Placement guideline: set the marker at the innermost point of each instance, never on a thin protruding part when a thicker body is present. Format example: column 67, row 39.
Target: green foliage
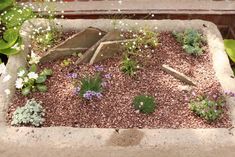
column 210, row 110
column 128, row 66
column 5, row 3
column 10, row 37
column 91, row 84
column 47, row 39
column 15, row 16
column 230, row 48
column 191, row 40
column 145, row 39
column 30, row 114
column 65, row 62
column 30, row 80
column 16, row 48
column 144, row 103
column 11, row 20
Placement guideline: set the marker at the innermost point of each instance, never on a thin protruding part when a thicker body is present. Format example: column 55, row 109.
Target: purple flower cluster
column 107, row 76
column 92, row 94
column 229, row 93
column 99, row 68
column 73, row 75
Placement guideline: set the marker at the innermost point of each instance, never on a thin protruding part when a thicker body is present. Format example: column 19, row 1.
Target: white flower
column 32, row 75
column 34, row 59
column 7, row 91
column 6, row 78
column 26, row 79
column 21, row 73
column 2, row 68
column 19, row 83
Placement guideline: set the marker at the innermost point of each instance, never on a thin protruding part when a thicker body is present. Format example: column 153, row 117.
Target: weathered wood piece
column 110, row 36
column 79, row 42
column 178, row 75
column 107, row 50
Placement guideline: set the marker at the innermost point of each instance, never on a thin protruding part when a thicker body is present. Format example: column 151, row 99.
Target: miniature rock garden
column 152, row 80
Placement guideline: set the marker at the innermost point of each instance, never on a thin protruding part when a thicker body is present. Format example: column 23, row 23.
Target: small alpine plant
column 91, row 87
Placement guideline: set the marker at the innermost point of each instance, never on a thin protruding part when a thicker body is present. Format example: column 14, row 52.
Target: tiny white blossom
column 26, row 79
column 21, row 73
column 6, row 78
column 32, row 75
column 2, row 68
column 34, row 59
column 19, row 83
column 7, row 91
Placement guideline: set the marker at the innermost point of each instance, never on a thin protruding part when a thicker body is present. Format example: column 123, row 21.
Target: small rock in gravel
column 184, row 88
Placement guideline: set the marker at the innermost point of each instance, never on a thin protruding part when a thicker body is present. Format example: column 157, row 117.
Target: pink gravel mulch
column 115, row 109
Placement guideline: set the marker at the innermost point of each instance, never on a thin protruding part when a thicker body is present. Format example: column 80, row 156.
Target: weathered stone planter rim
column 190, row 141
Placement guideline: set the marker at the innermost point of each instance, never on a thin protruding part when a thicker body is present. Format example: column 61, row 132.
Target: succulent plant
column 30, row 114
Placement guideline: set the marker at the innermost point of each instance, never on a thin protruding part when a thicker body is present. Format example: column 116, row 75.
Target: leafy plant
column 30, row 114
column 66, row 62
column 5, row 3
column 147, row 38
column 91, row 87
column 30, row 80
column 144, row 103
column 15, row 16
column 47, row 39
column 230, row 48
column 10, row 22
column 128, row 66
column 210, row 110
column 191, row 40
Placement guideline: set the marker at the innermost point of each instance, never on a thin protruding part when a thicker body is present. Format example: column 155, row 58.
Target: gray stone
column 184, row 88
column 79, row 42
column 177, row 74
column 107, row 49
column 110, row 36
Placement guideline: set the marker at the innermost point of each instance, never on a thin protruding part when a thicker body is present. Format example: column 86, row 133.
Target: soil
column 115, row 109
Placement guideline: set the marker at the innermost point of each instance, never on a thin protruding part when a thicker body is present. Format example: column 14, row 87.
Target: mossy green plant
column 144, row 103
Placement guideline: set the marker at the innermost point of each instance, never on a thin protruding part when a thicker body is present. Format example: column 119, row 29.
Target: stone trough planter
column 85, row 142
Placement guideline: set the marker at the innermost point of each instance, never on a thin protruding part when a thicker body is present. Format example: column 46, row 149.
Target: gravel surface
column 115, row 110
